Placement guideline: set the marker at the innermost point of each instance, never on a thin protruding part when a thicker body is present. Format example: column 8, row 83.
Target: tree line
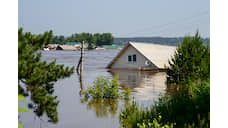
column 171, row 41
column 92, row 39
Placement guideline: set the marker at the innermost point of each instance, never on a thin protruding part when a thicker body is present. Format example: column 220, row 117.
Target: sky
column 122, row 18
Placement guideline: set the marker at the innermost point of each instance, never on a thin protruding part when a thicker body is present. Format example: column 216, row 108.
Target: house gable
column 122, row 61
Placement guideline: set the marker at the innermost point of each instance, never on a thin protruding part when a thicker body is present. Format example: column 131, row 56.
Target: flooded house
column 143, row 56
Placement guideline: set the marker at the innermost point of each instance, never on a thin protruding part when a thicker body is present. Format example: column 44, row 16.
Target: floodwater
column 75, row 111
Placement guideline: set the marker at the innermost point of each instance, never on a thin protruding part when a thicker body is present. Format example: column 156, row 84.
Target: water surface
column 75, row 111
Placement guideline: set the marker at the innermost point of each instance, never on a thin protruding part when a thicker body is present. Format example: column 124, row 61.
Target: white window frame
column 131, row 55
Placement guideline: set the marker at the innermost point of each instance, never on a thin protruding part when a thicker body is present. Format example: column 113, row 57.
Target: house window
column 131, row 58
column 134, row 58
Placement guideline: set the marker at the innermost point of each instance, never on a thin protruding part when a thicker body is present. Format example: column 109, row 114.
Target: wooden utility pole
column 80, row 63
column 82, row 58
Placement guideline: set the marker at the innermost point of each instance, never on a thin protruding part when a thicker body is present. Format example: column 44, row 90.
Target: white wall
column 122, row 62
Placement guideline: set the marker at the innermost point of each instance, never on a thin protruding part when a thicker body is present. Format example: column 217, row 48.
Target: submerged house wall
column 140, row 63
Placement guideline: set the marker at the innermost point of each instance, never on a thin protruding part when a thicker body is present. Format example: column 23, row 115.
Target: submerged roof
column 157, row 54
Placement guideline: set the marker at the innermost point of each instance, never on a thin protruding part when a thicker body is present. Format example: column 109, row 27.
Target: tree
column 107, row 39
column 104, row 38
column 98, row 38
column 36, row 77
column 71, row 38
column 191, row 61
column 55, row 40
column 87, row 37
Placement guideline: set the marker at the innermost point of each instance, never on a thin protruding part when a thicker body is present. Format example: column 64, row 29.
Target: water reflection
column 146, row 84
column 103, row 107
column 173, row 89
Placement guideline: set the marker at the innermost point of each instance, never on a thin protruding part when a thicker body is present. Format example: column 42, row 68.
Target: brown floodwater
column 75, row 111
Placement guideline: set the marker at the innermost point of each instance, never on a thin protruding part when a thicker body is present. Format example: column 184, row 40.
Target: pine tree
column 36, row 77
column 190, row 62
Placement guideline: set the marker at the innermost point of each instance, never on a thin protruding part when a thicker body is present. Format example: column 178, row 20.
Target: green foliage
column 58, row 39
column 19, row 125
column 89, row 38
column 35, row 77
column 184, row 107
column 104, row 88
column 21, row 98
column 128, row 115
column 104, row 38
column 190, row 62
column 189, row 104
column 103, row 96
column 23, row 110
column 154, row 124
column 202, row 123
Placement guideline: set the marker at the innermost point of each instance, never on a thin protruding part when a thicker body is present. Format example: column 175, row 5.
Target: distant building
column 59, row 47
column 143, row 56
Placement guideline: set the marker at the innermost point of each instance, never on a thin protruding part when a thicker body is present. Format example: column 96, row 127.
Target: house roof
column 157, row 54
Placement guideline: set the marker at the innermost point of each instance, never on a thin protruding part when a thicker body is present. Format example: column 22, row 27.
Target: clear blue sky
column 122, row 18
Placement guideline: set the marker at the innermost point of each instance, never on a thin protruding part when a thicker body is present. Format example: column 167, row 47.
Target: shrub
column 104, row 88
column 155, row 124
column 183, row 108
column 103, row 96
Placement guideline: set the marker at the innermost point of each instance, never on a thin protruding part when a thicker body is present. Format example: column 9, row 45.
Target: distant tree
column 36, row 77
column 191, row 61
column 104, row 38
column 98, row 38
column 55, row 40
column 71, row 38
column 107, row 39
column 62, row 39
column 87, row 38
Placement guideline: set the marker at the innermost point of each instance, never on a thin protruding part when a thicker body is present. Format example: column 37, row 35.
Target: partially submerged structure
column 143, row 56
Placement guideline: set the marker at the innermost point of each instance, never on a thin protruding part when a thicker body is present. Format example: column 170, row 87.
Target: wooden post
column 81, row 67
column 82, row 59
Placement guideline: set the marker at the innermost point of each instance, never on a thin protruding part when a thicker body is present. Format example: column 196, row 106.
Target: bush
column 154, row 124
column 103, row 96
column 183, row 108
column 104, row 88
